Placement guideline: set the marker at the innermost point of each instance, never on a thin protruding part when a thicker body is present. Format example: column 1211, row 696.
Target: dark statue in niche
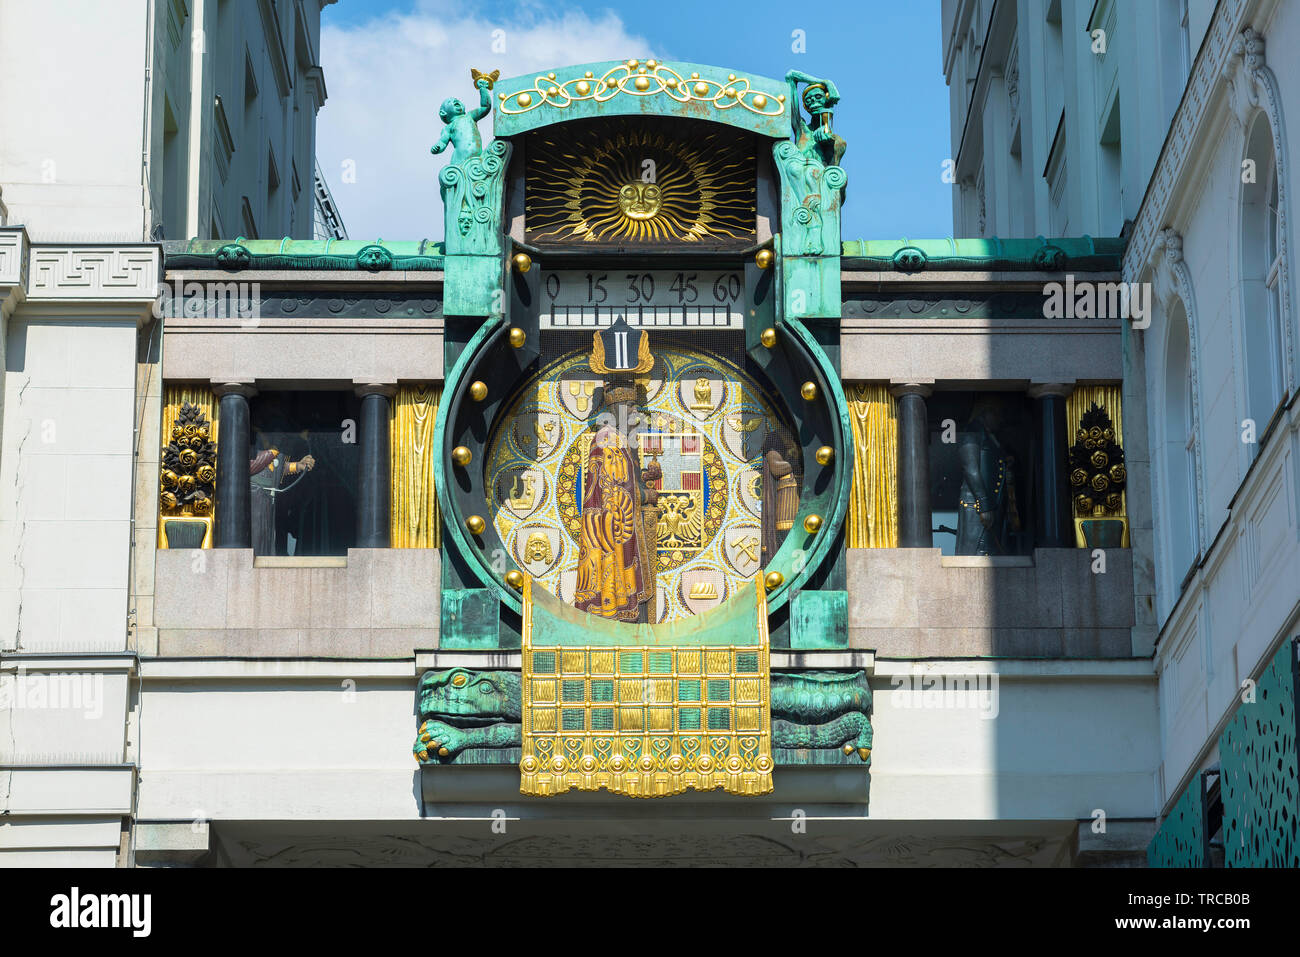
column 987, row 512
column 620, row 514
column 271, row 473
column 780, row 494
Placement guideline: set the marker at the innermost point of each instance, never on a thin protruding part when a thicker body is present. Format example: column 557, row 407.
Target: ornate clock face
column 699, row 418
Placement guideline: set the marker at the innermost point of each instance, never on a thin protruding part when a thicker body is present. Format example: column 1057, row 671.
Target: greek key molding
column 90, row 272
column 13, row 257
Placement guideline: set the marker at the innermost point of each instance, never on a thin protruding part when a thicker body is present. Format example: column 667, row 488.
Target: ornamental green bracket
column 471, row 186
column 811, row 197
column 642, row 88
column 827, row 487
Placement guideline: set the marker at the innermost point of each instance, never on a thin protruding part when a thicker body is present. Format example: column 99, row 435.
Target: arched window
column 1182, row 532
column 1262, row 271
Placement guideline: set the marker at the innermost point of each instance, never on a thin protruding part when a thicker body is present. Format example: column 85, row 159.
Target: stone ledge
column 917, row 603
column 375, row 603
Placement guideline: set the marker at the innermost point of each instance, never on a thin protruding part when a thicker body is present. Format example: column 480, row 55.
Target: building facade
column 1195, row 167
column 202, row 119
column 642, row 519
column 641, row 483
column 204, row 124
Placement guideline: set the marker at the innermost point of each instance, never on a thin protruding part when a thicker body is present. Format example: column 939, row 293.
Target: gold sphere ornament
column 525, row 100
column 701, row 89
column 760, row 102
column 583, row 87
column 774, row 580
column 812, row 524
column 515, row 578
column 475, row 524
column 461, row 456
column 478, row 391
column 768, row 337
column 641, row 83
column 808, row 390
column 763, row 258
column 518, row 337
column 825, row 455
column 523, row 262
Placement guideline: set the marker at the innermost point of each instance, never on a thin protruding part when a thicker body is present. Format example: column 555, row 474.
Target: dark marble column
column 374, row 491
column 915, row 522
column 233, row 523
column 1053, row 527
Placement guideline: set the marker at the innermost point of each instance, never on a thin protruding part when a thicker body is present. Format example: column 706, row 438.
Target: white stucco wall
column 1244, row 598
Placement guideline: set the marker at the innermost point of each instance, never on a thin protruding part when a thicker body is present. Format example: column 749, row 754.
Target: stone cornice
column 94, row 272
column 1218, row 47
column 15, row 250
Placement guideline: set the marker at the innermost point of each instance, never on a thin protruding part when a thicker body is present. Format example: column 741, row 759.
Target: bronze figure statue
column 986, row 509
column 270, row 473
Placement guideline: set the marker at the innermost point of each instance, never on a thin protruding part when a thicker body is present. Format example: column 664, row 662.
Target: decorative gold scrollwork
column 637, row 78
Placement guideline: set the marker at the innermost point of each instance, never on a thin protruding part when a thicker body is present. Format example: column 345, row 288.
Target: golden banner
column 416, row 521
column 873, row 498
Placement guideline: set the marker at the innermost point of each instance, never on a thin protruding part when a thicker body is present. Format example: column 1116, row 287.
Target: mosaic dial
column 703, row 425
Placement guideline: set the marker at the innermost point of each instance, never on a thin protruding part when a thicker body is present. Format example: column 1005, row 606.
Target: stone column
column 374, row 491
column 915, row 522
column 1052, row 524
column 233, row 525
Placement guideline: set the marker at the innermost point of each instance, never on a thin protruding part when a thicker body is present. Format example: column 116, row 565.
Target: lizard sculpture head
column 465, row 698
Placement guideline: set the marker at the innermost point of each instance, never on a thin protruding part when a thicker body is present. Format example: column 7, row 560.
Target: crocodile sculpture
column 461, row 709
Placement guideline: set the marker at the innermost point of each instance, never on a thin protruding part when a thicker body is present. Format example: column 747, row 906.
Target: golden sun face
column 644, row 183
column 639, row 200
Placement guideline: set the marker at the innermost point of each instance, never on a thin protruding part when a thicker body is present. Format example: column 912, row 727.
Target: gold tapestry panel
column 873, row 498
column 415, row 520
column 646, row 720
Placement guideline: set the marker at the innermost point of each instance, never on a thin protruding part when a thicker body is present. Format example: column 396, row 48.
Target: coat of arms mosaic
column 669, row 486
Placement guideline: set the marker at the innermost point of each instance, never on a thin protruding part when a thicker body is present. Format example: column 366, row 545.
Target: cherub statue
column 461, row 129
column 815, row 138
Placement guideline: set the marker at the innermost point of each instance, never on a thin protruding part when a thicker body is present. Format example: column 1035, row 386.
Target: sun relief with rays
column 649, row 183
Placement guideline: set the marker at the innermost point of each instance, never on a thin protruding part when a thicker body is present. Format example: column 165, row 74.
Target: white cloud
column 386, row 78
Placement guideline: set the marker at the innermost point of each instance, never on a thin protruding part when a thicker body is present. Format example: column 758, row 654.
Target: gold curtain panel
column 416, row 521
column 873, row 499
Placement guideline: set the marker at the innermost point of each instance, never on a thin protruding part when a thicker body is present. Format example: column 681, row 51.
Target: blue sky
column 388, row 63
